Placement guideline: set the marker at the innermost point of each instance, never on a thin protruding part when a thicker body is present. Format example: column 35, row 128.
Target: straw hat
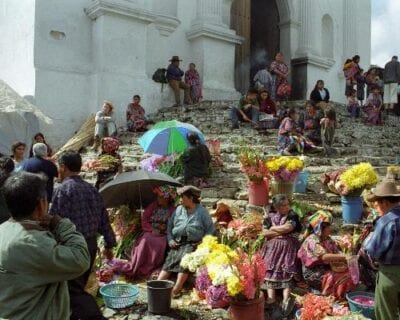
column 384, row 189
column 195, row 191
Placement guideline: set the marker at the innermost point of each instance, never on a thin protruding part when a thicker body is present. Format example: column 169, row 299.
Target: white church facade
column 70, row 55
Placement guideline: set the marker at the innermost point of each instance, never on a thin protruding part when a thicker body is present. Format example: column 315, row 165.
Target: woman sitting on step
column 309, row 123
column 373, row 107
column 321, row 259
column 148, row 251
column 186, row 228
column 196, row 160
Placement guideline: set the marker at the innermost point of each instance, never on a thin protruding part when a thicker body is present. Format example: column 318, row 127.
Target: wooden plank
column 241, row 23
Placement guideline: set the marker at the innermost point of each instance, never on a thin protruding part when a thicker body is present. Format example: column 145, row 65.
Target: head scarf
column 316, row 220
column 109, row 145
column 167, row 192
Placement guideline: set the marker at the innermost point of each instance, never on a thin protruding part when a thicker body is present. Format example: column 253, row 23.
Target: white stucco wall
column 333, row 76
column 72, row 60
column 17, row 20
column 63, row 65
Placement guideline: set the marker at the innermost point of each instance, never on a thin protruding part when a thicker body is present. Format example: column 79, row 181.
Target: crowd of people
column 52, row 234
column 381, row 88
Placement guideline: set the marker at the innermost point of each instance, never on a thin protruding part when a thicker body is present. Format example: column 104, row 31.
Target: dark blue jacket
column 38, row 165
column 174, row 73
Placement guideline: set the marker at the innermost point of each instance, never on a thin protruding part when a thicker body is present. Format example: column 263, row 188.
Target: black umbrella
column 134, row 188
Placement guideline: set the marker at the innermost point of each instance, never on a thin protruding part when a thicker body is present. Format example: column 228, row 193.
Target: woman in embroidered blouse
column 280, row 72
column 281, row 250
column 309, row 123
column 192, row 78
column 317, row 252
column 135, row 118
column 373, row 107
column 148, row 251
column 186, row 228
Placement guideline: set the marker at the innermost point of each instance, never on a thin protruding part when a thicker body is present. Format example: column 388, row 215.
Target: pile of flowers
column 354, row 180
column 285, row 168
column 318, row 307
column 223, row 272
column 252, row 164
column 245, row 229
column 102, row 163
column 126, row 226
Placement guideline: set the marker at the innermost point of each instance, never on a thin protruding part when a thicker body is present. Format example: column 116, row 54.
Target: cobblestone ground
column 354, row 143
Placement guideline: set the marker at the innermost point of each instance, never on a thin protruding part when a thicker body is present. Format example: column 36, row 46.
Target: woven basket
column 119, row 295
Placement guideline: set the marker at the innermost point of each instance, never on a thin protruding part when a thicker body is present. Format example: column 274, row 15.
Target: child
column 373, row 107
column 328, row 127
column 353, row 105
column 360, row 78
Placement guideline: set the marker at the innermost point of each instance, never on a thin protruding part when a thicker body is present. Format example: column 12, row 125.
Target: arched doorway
column 258, row 22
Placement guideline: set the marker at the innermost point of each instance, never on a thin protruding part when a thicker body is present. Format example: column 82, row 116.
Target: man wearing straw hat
column 384, row 246
column 174, row 77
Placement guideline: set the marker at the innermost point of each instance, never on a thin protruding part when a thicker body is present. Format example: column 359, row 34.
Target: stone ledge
column 166, row 25
column 214, row 32
column 325, row 63
column 102, row 7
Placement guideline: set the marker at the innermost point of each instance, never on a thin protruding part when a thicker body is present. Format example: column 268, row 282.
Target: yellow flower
column 233, row 285
column 217, row 258
column 290, row 163
column 209, row 242
column 360, row 176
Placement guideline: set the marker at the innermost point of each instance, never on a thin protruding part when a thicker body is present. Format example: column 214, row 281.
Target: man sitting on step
column 247, row 109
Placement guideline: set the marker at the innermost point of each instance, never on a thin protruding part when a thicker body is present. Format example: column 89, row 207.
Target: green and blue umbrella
column 168, row 137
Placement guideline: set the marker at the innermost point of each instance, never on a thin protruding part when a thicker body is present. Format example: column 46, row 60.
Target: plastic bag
column 354, row 270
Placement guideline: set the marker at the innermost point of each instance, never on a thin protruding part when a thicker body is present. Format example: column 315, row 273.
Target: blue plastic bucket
column 300, row 184
column 352, row 209
column 367, row 311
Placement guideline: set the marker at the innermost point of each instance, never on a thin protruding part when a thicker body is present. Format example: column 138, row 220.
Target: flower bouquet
column 242, row 231
column 285, row 168
column 252, row 164
column 354, row 180
column 223, row 273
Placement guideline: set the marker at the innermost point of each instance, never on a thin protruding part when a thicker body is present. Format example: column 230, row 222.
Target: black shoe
column 287, row 307
column 235, row 126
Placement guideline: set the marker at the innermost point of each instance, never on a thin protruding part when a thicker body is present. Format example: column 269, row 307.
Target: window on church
column 327, row 36
column 57, row 35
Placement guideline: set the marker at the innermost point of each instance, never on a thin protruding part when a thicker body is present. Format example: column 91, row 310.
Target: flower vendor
column 186, row 228
column 110, row 160
column 280, row 252
column 384, row 246
column 148, row 251
column 317, row 252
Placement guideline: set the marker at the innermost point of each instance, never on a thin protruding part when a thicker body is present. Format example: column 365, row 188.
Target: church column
column 349, row 29
column 209, row 11
column 213, row 49
column 307, row 39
